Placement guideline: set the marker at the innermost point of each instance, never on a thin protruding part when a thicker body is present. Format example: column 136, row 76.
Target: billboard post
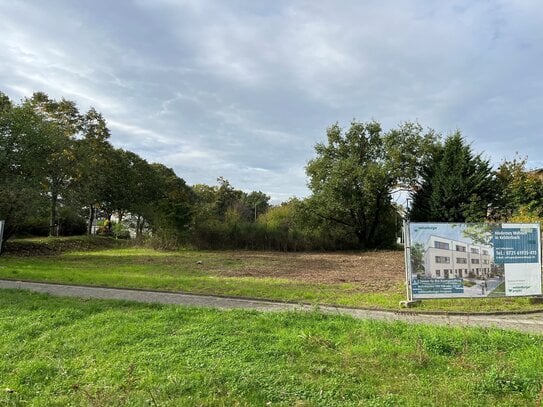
column 407, row 256
column 472, row 260
column 1, row 234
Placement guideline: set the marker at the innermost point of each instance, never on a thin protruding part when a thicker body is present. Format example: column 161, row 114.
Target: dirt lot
column 378, row 271
column 375, row 271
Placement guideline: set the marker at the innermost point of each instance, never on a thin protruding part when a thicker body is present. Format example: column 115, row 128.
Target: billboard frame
column 412, row 299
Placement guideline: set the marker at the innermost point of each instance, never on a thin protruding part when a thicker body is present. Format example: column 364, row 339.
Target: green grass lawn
column 179, row 271
column 134, row 267
column 60, row 351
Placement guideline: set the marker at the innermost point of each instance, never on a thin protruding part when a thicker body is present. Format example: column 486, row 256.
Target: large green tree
column 94, row 159
column 54, row 159
column 457, row 185
column 518, row 190
column 60, row 170
column 170, row 213
column 24, row 137
column 356, row 171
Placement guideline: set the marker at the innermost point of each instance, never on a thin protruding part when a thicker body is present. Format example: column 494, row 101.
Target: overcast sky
column 244, row 89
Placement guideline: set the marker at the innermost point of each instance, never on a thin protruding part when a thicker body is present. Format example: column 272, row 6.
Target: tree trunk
column 53, row 220
column 138, row 230
column 361, row 236
column 91, row 220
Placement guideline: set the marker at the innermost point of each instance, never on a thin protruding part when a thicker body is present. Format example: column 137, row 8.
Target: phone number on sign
column 516, row 252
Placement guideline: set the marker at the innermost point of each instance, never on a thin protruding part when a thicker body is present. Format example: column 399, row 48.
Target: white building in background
column 447, row 258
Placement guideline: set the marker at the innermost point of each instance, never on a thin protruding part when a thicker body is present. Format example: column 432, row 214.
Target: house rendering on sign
column 447, row 258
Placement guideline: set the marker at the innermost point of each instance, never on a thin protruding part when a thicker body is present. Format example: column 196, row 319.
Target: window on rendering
column 460, row 248
column 461, row 260
column 475, row 250
column 443, row 259
column 474, row 261
column 441, row 245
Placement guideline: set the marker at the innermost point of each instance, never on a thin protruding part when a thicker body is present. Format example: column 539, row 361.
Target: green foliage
column 286, row 227
column 456, row 185
column 525, row 215
column 356, row 171
column 225, row 217
column 520, row 196
column 95, row 165
column 64, row 123
column 281, row 230
column 120, row 231
column 23, row 135
column 214, row 202
column 169, row 213
column 51, row 152
column 57, row 168
column 71, row 223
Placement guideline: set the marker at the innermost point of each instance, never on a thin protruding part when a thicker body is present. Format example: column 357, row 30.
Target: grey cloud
column 245, row 89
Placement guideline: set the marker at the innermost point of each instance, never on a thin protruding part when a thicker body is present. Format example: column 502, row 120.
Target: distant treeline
column 60, row 175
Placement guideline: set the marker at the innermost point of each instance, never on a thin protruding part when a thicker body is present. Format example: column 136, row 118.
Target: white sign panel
column 522, row 266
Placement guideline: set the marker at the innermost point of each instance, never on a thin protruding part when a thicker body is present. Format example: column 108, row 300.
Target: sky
column 245, row 89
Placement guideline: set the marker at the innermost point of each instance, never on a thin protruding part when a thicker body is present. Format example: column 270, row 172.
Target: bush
column 120, row 232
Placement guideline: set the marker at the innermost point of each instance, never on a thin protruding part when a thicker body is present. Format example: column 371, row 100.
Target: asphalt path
column 527, row 322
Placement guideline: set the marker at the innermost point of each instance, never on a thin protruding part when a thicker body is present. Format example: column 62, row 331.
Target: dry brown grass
column 375, row 271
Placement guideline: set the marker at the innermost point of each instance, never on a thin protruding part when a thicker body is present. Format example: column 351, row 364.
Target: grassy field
column 369, row 280
column 58, row 351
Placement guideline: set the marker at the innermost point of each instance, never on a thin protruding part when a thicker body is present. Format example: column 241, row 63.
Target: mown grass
column 60, row 351
column 136, row 267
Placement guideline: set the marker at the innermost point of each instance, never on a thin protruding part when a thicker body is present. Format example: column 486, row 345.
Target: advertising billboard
column 448, row 260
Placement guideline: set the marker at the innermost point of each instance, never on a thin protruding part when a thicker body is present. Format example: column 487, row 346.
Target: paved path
column 521, row 322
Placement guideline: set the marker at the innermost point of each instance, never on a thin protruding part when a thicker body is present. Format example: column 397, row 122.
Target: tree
column 255, row 203
column 170, row 214
column 214, row 202
column 518, row 191
column 94, row 156
column 50, row 152
column 227, row 197
column 64, row 124
column 355, row 173
column 23, row 137
column 457, row 186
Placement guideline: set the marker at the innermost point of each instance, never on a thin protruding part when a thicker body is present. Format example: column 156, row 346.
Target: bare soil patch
column 376, row 271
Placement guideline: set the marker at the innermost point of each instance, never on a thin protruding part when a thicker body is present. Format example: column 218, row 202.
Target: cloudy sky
column 244, row 89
